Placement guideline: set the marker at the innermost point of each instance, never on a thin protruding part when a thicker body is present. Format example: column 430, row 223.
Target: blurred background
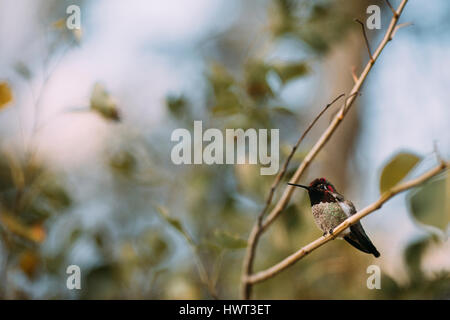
column 85, row 123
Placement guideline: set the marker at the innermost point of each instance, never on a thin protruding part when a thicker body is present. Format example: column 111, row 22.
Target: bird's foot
column 331, row 233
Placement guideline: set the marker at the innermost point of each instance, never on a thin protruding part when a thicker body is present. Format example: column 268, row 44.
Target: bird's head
column 319, row 190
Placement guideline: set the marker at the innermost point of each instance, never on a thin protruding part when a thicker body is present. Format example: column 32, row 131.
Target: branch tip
column 398, row 27
column 438, row 154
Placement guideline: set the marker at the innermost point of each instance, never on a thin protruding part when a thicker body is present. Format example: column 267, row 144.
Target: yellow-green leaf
column 397, row 169
column 5, row 94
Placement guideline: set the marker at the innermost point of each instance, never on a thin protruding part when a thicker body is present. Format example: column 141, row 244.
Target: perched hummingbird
column 330, row 209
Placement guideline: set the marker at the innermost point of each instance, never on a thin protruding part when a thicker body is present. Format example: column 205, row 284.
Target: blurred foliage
column 229, row 241
column 430, row 203
column 252, row 101
column 142, row 228
column 177, row 105
column 31, row 196
column 318, row 24
column 419, row 285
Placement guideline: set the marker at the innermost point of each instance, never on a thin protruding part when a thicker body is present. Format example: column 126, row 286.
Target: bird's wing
column 357, row 234
column 350, row 238
column 351, row 206
column 358, row 237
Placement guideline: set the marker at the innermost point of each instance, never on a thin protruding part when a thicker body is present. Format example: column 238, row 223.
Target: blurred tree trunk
column 337, row 153
column 335, row 161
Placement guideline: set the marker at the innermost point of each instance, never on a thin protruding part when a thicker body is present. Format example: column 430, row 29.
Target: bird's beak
column 299, row 185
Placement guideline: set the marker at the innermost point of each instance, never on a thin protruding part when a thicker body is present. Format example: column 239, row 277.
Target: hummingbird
column 330, row 209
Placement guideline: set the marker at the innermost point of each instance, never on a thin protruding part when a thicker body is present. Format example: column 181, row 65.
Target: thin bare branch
column 392, row 8
column 272, row 271
column 406, row 24
column 326, row 135
column 366, row 40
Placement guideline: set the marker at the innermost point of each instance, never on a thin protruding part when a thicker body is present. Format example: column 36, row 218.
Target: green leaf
column 226, row 100
column 175, row 223
column 397, row 169
column 229, row 241
column 53, row 193
column 219, row 77
column 227, row 103
column 103, row 103
column 172, row 221
column 123, row 162
column 176, row 105
column 430, row 204
column 256, row 80
column 283, row 111
column 57, row 196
